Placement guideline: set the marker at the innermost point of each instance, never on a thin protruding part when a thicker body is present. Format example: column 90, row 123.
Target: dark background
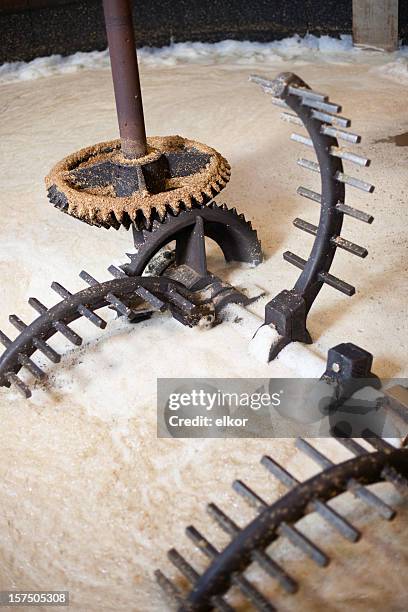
column 32, row 28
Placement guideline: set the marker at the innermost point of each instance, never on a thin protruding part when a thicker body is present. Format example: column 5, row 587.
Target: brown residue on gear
column 97, row 206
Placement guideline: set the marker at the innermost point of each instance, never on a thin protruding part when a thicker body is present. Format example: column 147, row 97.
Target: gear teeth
column 138, row 237
column 139, row 260
column 132, row 256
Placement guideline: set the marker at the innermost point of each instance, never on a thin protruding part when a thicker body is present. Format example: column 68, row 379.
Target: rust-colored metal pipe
column 125, row 75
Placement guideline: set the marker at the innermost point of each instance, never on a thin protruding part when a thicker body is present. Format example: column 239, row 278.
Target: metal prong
column 39, row 344
column 338, row 241
column 5, row 340
column 335, row 133
column 279, row 102
column 354, row 487
column 119, row 305
column 63, row 329
column 252, row 498
column 183, row 566
column 346, row 529
column 329, row 107
column 83, row 310
column 13, row 379
column 302, row 139
column 31, row 366
column 151, row 299
column 88, row 278
column 313, row 453
column 328, row 514
column 169, row 588
column 226, row 524
column 350, row 247
column 305, row 544
column 294, row 259
column 327, row 117
column 263, row 559
column 372, row 500
column 279, row 472
column 110, row 297
column 201, row 542
column 349, row 156
column 116, row 272
column 354, row 212
column 354, row 182
column 253, row 595
column 337, row 283
column 306, row 92
column 309, row 194
column 352, row 446
column 291, row 118
column 309, row 165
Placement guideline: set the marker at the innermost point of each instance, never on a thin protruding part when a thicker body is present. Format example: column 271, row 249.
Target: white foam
column 295, row 47
column 395, row 71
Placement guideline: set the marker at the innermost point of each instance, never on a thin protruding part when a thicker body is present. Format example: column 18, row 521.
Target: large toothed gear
column 234, row 235
column 101, row 187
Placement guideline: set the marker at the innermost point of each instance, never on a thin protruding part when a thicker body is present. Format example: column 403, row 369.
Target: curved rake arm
column 287, row 311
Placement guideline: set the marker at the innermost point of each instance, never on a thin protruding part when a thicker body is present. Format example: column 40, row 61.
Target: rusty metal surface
column 125, row 74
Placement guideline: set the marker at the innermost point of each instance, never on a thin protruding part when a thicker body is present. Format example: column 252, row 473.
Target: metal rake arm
column 287, row 311
column 158, row 293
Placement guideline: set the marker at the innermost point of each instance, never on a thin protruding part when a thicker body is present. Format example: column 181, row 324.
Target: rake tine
column 338, row 241
column 302, row 139
column 354, row 182
column 31, row 367
column 192, row 576
column 110, row 297
column 183, row 566
column 358, row 490
column 327, row 117
column 252, row 498
column 309, row 194
column 169, row 588
column 39, row 344
column 299, row 540
column 279, row 102
column 116, row 272
column 308, row 93
column 354, row 212
column 5, row 340
column 63, row 329
column 309, row 165
column 349, row 156
column 151, row 299
column 83, row 310
column 328, row 107
column 223, row 521
column 291, row 118
column 345, row 528
column 324, row 277
column 336, row 133
column 13, row 379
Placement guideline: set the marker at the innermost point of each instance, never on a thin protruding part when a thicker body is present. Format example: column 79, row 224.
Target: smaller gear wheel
column 189, row 228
